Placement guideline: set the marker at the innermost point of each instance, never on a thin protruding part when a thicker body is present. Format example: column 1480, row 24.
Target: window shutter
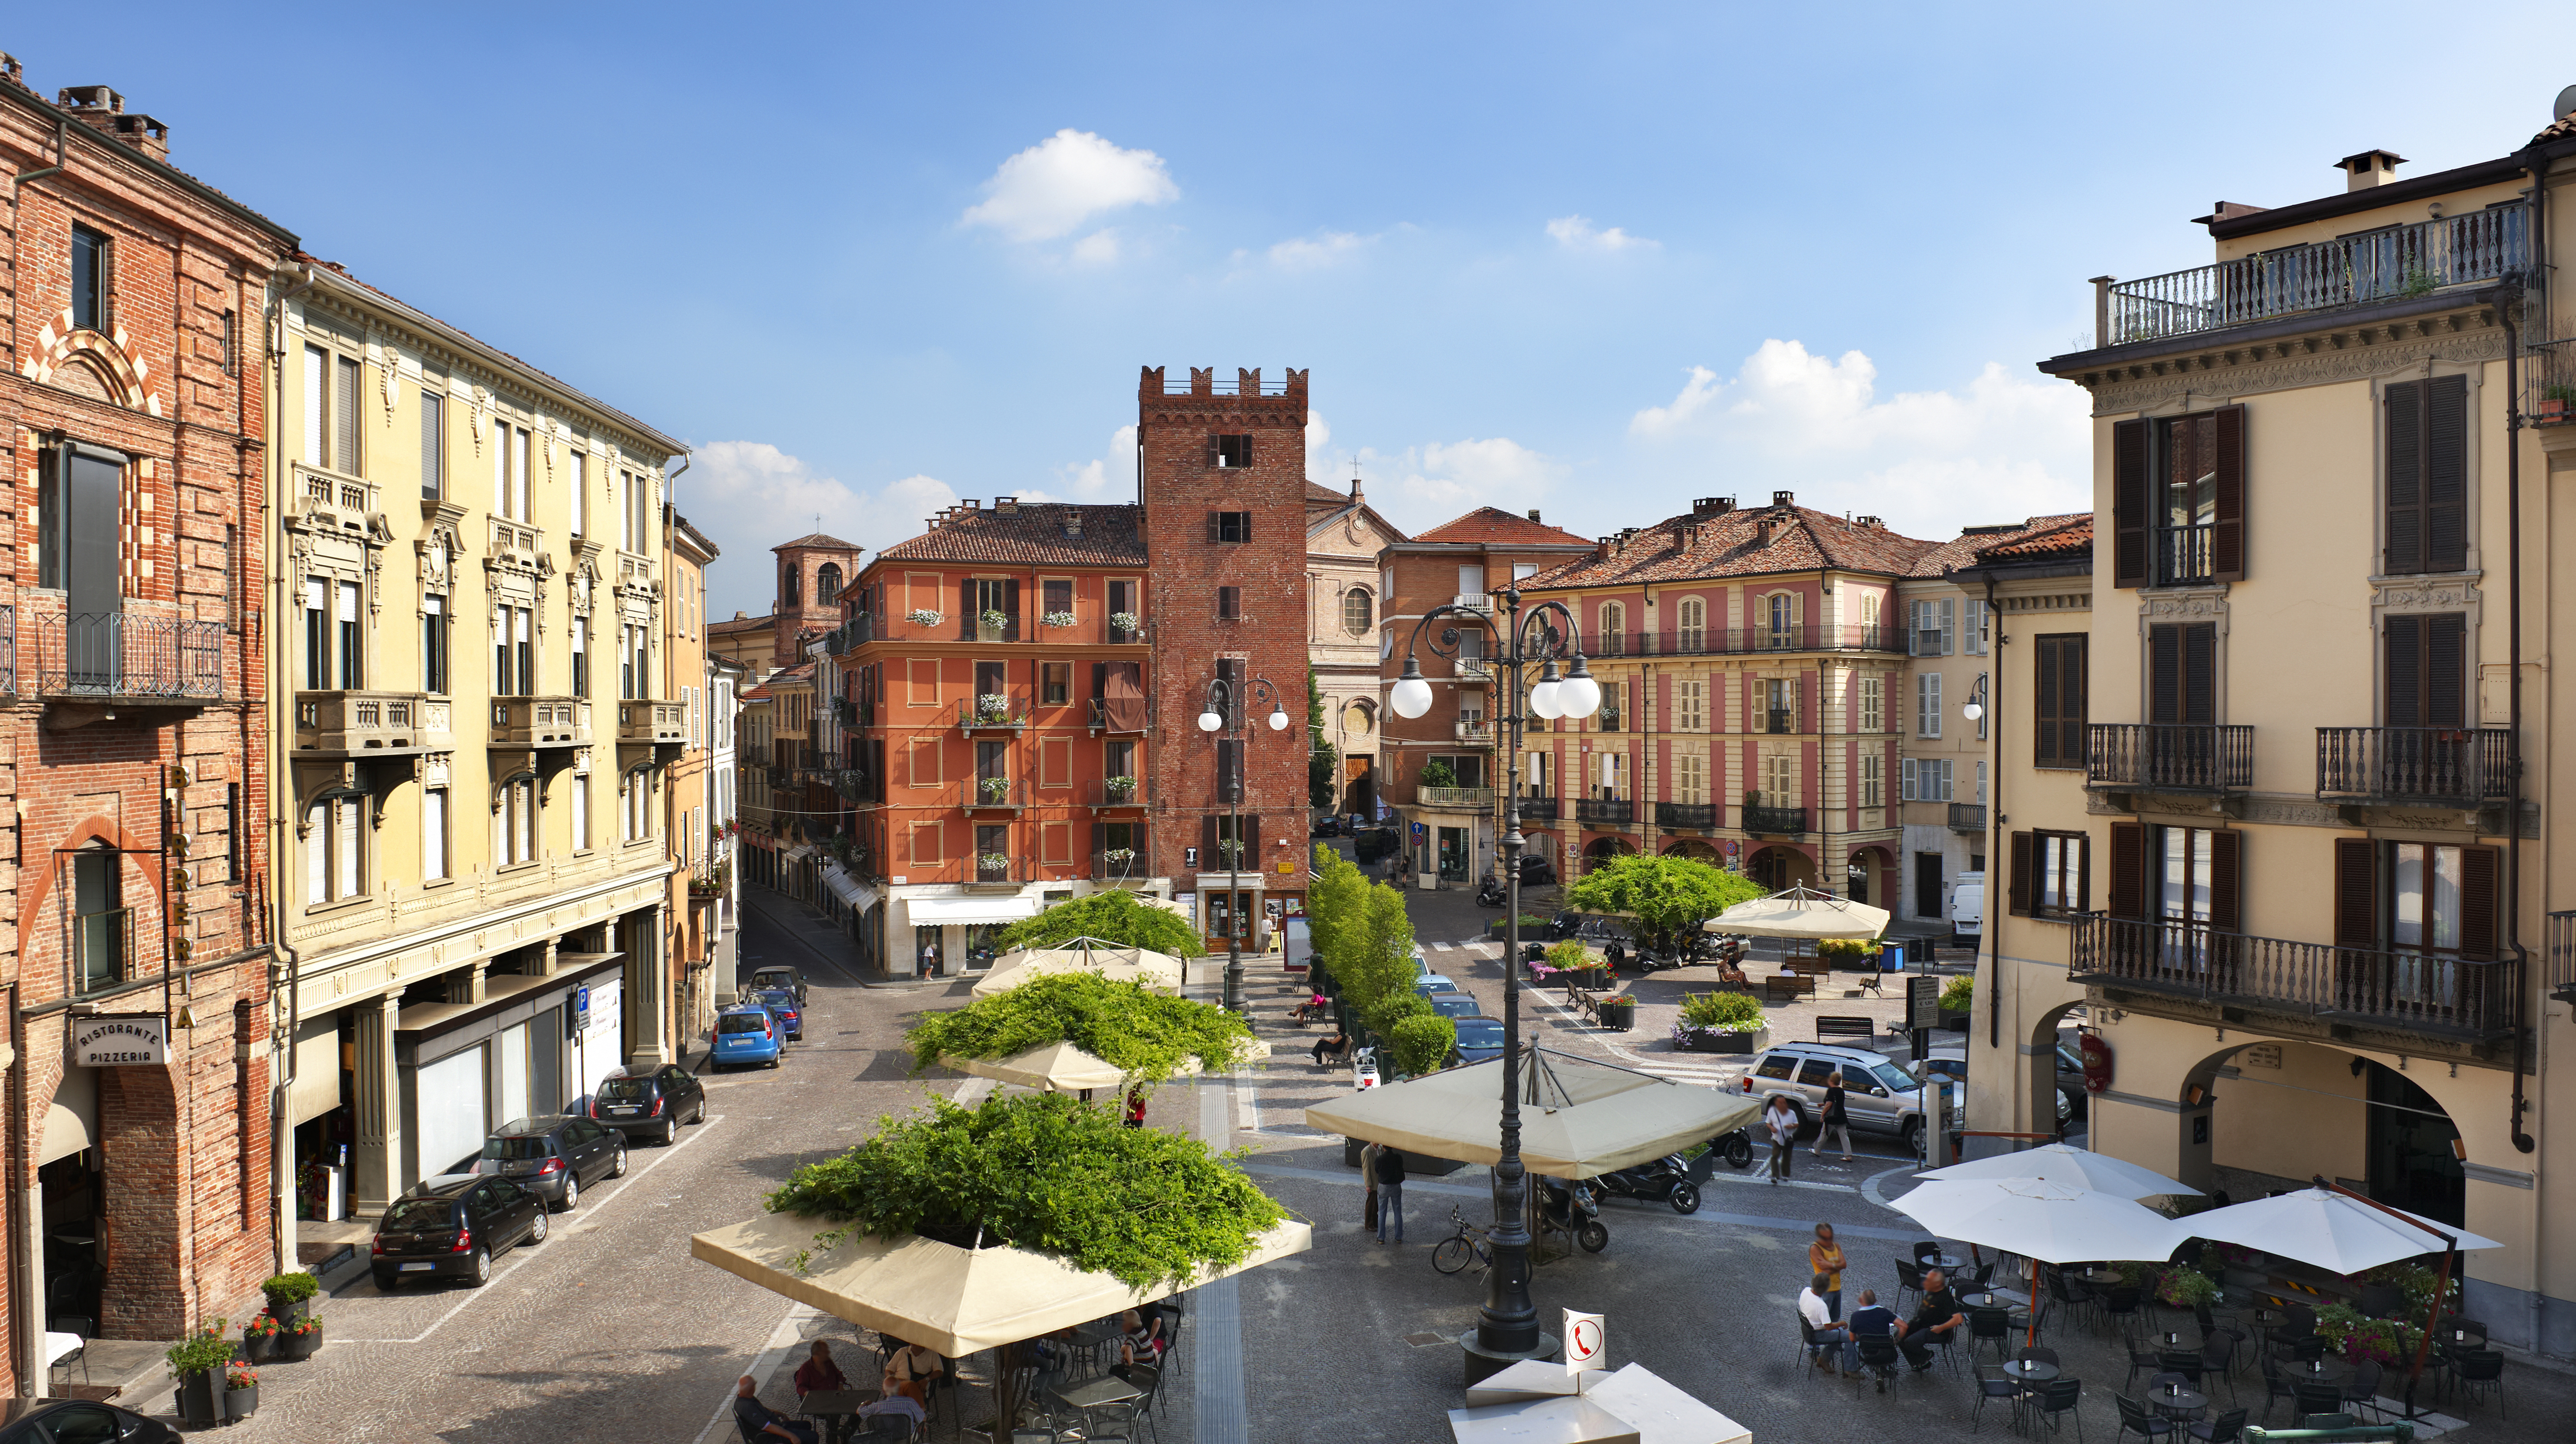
column 2019, row 896
column 344, row 406
column 1099, row 680
column 2446, row 487
column 1906, row 774
column 2164, row 674
column 2227, row 537
column 1913, row 629
column 2404, row 551
column 2084, row 873
column 1011, row 610
column 2227, row 881
column 1207, row 455
column 2074, row 680
column 1949, row 626
column 2046, row 685
column 2128, row 870
column 2478, row 873
column 2445, row 667
column 1207, row 843
column 966, row 610
column 2402, row 652
column 1212, row 516
column 1097, row 845
column 2200, row 673
column 2356, row 883
column 2129, row 503
column 1250, row 837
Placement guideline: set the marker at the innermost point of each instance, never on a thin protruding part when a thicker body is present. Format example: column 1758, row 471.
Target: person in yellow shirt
column 1825, row 1257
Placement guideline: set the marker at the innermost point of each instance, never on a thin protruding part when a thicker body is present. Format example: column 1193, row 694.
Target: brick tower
column 811, row 571
column 1221, row 478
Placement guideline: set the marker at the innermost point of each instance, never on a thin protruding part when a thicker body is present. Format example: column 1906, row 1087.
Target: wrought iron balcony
column 2418, row 992
column 1777, row 821
column 2413, row 766
column 127, row 657
column 1744, row 641
column 2148, row 758
column 1605, row 811
column 1534, row 808
column 540, row 722
column 1114, row 792
column 1686, row 814
column 993, row 794
column 369, row 724
column 2562, row 956
column 998, row 868
column 994, row 712
column 1121, row 864
column 639, row 721
column 1967, row 817
column 1455, row 799
column 2394, row 264
column 1479, row 670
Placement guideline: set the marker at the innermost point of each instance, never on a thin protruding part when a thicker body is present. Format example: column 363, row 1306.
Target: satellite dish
column 2564, row 105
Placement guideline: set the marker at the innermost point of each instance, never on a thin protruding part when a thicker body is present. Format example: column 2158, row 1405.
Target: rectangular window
column 1229, row 526
column 433, row 834
column 1873, row 704
column 580, row 814
column 2427, row 483
column 352, row 670
column 1780, row 781
column 519, row 478
column 345, row 391
column 1229, row 452
column 1975, row 630
column 433, row 445
column 1937, row 773
column 500, row 469
column 1690, row 706
column 345, row 838
column 581, row 656
column 232, row 342
column 2182, row 674
column 2051, row 874
column 1229, row 604
column 2425, row 667
column 2058, row 700
column 92, row 266
column 1927, row 704
column 317, row 635
column 332, row 837
column 317, row 405
column 1055, row 686
column 580, row 494
column 639, row 504
column 1057, row 595
column 1690, row 778
column 1873, row 780
column 1909, row 780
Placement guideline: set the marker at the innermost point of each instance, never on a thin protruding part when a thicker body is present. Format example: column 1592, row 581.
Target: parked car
column 776, row 975
column 1368, row 844
column 1430, row 983
column 1479, row 1038
column 451, row 1226
column 1877, row 1093
column 78, row 1421
column 1454, row 1006
column 649, row 1102
column 553, row 1155
column 1536, row 870
column 1328, row 825
column 783, row 1003
column 1950, row 1060
column 745, row 1033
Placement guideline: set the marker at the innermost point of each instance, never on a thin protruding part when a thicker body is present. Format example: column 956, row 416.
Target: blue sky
column 1592, row 259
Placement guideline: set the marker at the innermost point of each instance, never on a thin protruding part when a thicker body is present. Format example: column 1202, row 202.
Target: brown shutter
column 2018, row 896
column 1212, row 516
column 1207, row 842
column 1011, row 610
column 2164, row 674
column 2129, row 503
column 2356, row 883
column 2084, row 873
column 2227, row 538
column 2044, row 743
column 2402, row 652
column 2404, row 499
column 2446, row 486
column 2227, row 881
column 2074, row 696
column 1207, row 454
column 2200, row 673
column 2479, row 869
column 966, row 610
column 2128, row 870
column 2445, row 670
column 1250, row 837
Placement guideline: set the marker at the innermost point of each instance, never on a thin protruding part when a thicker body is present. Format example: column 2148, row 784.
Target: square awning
column 941, row 911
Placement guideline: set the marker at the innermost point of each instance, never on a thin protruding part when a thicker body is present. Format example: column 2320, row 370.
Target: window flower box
column 993, row 707
column 1057, row 619
column 995, row 622
column 924, row 617
column 1125, row 623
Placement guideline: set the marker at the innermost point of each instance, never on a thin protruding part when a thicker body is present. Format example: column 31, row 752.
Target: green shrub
column 203, row 1352
column 1115, row 916
column 1436, row 773
column 1847, row 948
column 294, row 1288
column 1959, row 994
column 1422, row 1042
column 1143, row 1033
column 1725, row 1012
column 1569, row 955
column 1387, row 1014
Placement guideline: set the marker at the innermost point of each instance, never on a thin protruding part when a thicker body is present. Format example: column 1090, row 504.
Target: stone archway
column 1697, row 849
column 1779, row 867
column 1869, row 876
column 1602, row 849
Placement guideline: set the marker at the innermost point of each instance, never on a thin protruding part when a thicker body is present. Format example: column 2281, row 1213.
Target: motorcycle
column 1736, row 1148
column 1665, row 1180
column 1489, row 893
column 1575, row 1211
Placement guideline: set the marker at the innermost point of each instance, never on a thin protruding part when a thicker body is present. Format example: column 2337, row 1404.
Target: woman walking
column 1825, row 1261
column 1837, row 1120
column 1783, row 1123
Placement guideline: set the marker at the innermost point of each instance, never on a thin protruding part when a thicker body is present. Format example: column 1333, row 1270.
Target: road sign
column 1731, row 849
column 1922, row 1001
column 581, row 1010
column 1585, row 1348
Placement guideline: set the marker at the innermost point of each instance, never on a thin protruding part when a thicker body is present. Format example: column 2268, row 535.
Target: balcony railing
column 1009, row 869
column 1114, row 792
column 1128, row 864
column 344, row 501
column 1742, row 641
column 1538, row 809
column 517, row 543
column 855, row 785
column 1456, row 799
column 2173, row 759
column 1779, row 720
column 128, row 656
column 1967, row 817
column 1473, row 669
column 1783, row 821
column 994, row 712
column 993, row 794
column 652, row 722
column 1474, row 601
column 2562, row 956
column 540, row 722
column 2183, row 553
column 363, row 723
column 1605, row 811
column 2425, row 992
column 1686, row 814
column 2423, row 766
column 1479, row 733
column 2386, row 265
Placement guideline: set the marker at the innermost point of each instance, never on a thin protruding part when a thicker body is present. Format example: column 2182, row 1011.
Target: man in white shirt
column 1811, row 1307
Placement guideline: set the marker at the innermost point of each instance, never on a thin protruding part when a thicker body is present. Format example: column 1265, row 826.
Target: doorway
column 2409, row 1147
column 1927, row 886
column 1453, row 854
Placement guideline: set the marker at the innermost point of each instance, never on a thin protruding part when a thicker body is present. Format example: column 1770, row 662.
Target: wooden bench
column 1589, row 1004
column 1787, row 987
column 1833, row 1025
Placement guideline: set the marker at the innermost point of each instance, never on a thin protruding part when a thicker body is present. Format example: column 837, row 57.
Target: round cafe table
column 2034, row 1372
column 2100, row 1277
column 2178, row 1403
column 2323, row 1371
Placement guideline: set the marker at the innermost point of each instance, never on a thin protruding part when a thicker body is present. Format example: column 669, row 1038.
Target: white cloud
column 1112, row 478
column 749, row 496
column 1997, row 449
column 1422, row 486
column 1051, row 188
column 1577, row 233
column 1097, row 249
column 1301, row 254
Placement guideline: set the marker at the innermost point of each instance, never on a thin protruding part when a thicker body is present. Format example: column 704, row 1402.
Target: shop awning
column 799, row 852
column 848, row 889
column 941, row 911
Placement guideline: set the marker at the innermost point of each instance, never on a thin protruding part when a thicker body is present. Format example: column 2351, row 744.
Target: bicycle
column 1468, row 1244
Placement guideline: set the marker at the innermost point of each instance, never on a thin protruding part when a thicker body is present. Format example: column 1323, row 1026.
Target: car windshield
column 774, row 980
column 1479, row 1033
column 1436, row 985
column 626, row 1090
column 512, row 1149
column 778, row 999
column 742, row 1023
column 414, row 1213
column 1896, row 1079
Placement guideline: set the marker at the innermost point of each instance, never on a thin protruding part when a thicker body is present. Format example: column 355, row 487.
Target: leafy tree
column 1141, row 1032
column 1336, row 904
column 1323, row 763
column 1381, row 966
column 1043, row 1172
column 1667, row 897
column 1116, row 916
column 1438, row 773
column 1422, row 1042
column 1386, row 1014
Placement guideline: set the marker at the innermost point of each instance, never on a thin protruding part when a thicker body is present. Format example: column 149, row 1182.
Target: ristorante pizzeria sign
column 129, row 1038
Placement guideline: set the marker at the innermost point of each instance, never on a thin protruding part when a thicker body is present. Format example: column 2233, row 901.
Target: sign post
column 1922, row 1015
column 1586, row 1347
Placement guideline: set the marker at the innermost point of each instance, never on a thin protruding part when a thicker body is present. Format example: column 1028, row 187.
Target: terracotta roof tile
column 1032, row 535
column 1493, row 526
column 742, row 624
column 819, row 539
column 1729, row 544
column 1964, row 549
column 2559, row 129
column 2070, row 537
column 1319, row 493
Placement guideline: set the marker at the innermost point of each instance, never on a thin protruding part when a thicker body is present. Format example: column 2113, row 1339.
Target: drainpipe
column 2522, row 1141
column 62, row 138
column 1996, row 847
column 29, row 1303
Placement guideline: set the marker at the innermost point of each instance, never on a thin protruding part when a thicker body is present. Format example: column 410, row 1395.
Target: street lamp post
column 1507, row 1326
column 1225, row 711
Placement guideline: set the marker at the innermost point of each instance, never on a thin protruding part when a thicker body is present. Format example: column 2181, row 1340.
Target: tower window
column 90, row 267
column 1228, row 452
column 1229, row 526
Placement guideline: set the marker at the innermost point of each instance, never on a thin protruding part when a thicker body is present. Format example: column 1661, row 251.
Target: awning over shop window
column 848, row 889
column 940, row 911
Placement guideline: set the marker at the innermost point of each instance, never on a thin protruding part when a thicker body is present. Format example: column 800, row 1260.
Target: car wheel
column 670, row 1131
column 1592, row 1236
column 540, row 1226
column 482, row 1268
column 1912, row 1133
column 1685, row 1198
column 571, row 1197
column 773, row 1062
column 387, row 1283
column 699, row 1113
column 617, row 1164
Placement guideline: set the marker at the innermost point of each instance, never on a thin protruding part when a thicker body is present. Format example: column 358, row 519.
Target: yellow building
column 2281, row 807
column 691, row 819
column 470, row 598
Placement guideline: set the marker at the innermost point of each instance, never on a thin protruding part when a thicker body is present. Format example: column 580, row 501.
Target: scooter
column 1575, row 1211
column 1489, row 893
column 1736, row 1148
column 1666, row 1180
column 1364, row 1070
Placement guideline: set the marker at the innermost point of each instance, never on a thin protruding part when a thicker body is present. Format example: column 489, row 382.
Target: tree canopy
column 1364, row 938
column 1117, row 916
column 1142, row 1033
column 1043, row 1172
column 1667, row 897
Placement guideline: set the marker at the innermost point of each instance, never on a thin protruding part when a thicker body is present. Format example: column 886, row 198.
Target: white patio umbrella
column 1801, row 912
column 2043, row 1221
column 2074, row 1167
column 1114, row 961
column 2331, row 1230
column 1579, row 1118
column 1067, row 1068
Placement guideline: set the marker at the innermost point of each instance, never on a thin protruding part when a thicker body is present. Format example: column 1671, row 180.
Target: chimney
column 1006, row 506
column 1707, row 506
column 1073, row 521
column 1872, row 521
column 2370, row 168
column 1533, row 513
column 1355, row 488
column 103, row 110
column 1784, row 499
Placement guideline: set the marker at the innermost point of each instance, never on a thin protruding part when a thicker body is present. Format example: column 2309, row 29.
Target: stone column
column 379, row 1153
column 546, row 963
column 648, row 990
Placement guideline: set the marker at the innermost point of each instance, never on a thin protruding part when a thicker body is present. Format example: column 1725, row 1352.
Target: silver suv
column 1877, row 1092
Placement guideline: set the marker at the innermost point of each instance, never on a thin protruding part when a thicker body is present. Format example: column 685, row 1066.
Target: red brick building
column 141, row 1199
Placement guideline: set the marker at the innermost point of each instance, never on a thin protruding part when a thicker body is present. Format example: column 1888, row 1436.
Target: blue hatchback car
column 746, row 1033
column 783, row 1003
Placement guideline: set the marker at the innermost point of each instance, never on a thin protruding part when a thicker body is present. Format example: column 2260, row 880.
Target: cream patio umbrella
column 2074, row 1167
column 1801, row 912
column 1579, row 1118
column 1067, row 1068
column 1114, row 961
column 2043, row 1220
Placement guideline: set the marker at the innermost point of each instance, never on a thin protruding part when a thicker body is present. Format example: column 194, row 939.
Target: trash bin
column 1619, row 1015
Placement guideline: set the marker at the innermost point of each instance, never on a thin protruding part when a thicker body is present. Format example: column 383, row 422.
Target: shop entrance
column 2412, row 1165
column 1453, row 854
column 70, row 1189
column 1927, row 886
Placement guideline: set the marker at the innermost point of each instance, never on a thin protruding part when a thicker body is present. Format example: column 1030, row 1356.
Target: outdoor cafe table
column 2100, row 1276
column 1946, row 1262
column 836, row 1408
column 1988, row 1298
column 2178, row 1403
column 2321, row 1371
column 1098, row 1393
column 2035, row 1371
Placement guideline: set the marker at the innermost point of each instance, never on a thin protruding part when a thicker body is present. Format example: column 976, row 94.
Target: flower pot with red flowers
column 302, row 1339
column 259, row 1339
column 197, row 1362
column 241, row 1393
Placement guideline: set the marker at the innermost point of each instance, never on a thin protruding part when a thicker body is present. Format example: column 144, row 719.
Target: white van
column 1968, row 908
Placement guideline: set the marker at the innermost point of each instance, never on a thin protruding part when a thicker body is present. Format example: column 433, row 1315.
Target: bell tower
column 811, row 572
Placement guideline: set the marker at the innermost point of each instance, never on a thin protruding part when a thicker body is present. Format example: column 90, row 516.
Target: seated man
column 1873, row 1320
column 759, row 1423
column 1820, row 1321
column 1937, row 1315
column 1333, row 1048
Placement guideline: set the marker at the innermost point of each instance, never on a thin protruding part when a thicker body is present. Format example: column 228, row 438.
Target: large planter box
column 1415, row 1164
column 1709, row 1040
column 1954, row 1022
column 1619, row 1015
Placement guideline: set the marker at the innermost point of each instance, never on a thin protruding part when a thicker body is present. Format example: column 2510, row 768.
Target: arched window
column 1614, row 630
column 787, row 580
column 827, row 584
column 1357, row 720
column 1356, row 611
column 1693, row 625
column 1784, row 617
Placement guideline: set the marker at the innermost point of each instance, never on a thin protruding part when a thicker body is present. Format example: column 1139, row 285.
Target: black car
column 649, row 1102
column 1536, row 870
column 78, row 1421
column 554, row 1155
column 450, row 1226
column 1329, row 825
column 776, row 975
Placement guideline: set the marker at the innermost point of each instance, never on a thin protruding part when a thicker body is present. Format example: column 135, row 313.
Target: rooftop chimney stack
column 2369, row 168
column 1533, row 513
column 103, row 110
column 1784, row 500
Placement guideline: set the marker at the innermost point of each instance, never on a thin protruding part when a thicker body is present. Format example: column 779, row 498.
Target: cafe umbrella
column 1801, row 912
column 1066, row 1068
column 1114, row 961
column 2075, row 1167
column 2043, row 1220
column 1579, row 1118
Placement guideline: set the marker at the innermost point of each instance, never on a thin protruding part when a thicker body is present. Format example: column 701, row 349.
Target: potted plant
column 924, row 617
column 241, row 1393
column 194, row 1362
column 259, row 1339
column 1721, row 1023
column 1119, row 788
column 2184, row 1288
column 290, row 1296
column 994, row 788
column 302, row 1339
column 1057, row 619
column 993, row 862
column 1958, row 997
column 993, row 621
column 992, row 707
column 2554, row 405
column 1126, row 623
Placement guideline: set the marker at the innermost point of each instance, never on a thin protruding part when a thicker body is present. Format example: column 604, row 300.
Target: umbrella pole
column 2441, row 1288
column 2031, row 1339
